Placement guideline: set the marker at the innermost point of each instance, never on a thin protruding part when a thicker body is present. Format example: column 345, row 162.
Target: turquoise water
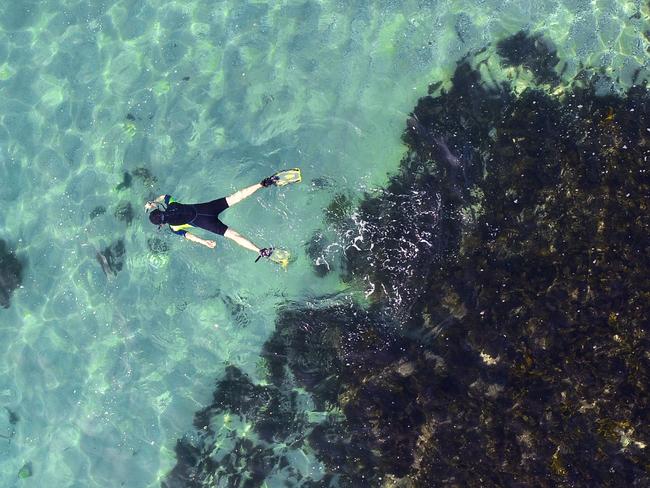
column 105, row 373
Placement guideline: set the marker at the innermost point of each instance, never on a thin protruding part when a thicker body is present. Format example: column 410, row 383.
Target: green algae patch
column 387, row 37
column 26, row 471
column 161, row 87
column 6, row 72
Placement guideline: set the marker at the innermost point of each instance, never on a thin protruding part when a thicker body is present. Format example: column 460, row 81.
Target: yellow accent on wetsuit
column 177, row 228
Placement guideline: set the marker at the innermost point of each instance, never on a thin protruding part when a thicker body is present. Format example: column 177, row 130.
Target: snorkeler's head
column 157, row 217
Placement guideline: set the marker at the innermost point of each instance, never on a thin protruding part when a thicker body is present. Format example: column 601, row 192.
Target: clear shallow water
column 105, row 375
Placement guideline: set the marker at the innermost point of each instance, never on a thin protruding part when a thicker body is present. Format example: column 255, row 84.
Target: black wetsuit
column 182, row 216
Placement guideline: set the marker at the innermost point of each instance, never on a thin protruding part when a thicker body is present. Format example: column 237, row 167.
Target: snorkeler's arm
column 198, row 240
column 240, row 195
column 149, row 206
column 235, row 236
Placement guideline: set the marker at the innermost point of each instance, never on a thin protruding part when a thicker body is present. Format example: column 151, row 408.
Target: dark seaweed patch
column 532, row 52
column 145, row 176
column 9, row 431
column 157, row 245
column 126, row 182
column 124, row 212
column 315, row 249
column 97, row 211
column 11, row 274
column 111, row 258
column 244, row 457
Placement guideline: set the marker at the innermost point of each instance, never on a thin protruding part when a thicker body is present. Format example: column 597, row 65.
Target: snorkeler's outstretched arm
column 235, row 236
column 207, row 243
column 240, row 195
column 149, row 206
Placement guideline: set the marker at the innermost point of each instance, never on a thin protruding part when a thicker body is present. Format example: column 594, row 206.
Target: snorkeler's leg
column 240, row 195
column 235, row 236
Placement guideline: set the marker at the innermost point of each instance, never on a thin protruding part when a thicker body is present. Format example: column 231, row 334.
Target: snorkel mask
column 157, row 217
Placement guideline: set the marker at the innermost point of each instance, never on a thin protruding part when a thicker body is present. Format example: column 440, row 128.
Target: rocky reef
column 505, row 341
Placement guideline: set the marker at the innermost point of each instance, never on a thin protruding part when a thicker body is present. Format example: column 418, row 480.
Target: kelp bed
column 505, row 343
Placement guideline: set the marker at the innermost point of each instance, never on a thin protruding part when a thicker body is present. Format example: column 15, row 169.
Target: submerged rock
column 11, row 272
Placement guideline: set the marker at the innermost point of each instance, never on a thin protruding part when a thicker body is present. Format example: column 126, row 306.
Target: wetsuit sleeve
column 180, row 229
column 180, row 232
column 169, row 199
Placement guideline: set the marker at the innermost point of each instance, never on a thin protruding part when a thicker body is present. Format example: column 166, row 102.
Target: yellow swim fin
column 281, row 257
column 287, row 176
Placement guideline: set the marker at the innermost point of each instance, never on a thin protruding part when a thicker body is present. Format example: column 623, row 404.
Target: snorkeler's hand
column 149, row 206
column 271, row 180
column 265, row 252
column 191, row 237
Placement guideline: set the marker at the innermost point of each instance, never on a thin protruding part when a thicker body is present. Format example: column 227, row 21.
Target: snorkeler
column 180, row 216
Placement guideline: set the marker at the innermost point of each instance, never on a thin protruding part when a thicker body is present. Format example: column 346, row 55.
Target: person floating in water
column 183, row 216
